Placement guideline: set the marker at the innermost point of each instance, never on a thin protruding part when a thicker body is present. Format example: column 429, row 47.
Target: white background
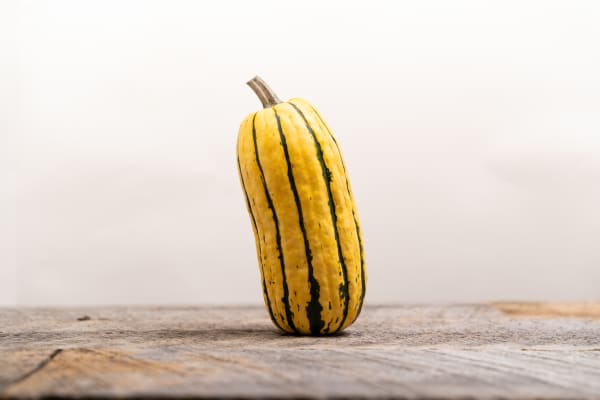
column 471, row 131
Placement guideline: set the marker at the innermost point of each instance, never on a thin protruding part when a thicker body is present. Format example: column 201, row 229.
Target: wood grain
column 502, row 350
column 546, row 310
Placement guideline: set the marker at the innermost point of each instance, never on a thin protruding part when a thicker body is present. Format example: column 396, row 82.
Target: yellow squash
column 299, row 198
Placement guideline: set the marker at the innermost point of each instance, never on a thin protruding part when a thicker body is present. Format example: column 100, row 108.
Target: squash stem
column 266, row 95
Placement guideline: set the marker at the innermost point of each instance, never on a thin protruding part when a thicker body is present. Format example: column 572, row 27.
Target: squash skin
column 308, row 237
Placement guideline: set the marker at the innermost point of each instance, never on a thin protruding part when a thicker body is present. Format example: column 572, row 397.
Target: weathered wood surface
column 453, row 351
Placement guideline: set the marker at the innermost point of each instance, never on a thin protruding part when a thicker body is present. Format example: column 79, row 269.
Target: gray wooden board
column 515, row 351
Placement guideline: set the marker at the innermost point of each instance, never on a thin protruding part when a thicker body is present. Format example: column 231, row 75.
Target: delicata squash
column 308, row 237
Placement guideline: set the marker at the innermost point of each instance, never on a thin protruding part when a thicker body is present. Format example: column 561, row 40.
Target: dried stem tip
column 266, row 95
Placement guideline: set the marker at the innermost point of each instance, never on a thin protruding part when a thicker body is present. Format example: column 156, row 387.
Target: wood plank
column 503, row 350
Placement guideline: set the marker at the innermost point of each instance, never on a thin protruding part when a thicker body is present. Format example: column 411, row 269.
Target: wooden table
column 406, row 351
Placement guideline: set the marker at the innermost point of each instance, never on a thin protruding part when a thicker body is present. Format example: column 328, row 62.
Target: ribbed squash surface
column 308, row 236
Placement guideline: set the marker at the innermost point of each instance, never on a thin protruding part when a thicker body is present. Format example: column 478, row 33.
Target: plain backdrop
column 471, row 131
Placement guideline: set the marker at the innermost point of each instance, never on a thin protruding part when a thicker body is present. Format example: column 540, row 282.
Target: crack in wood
column 37, row 368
